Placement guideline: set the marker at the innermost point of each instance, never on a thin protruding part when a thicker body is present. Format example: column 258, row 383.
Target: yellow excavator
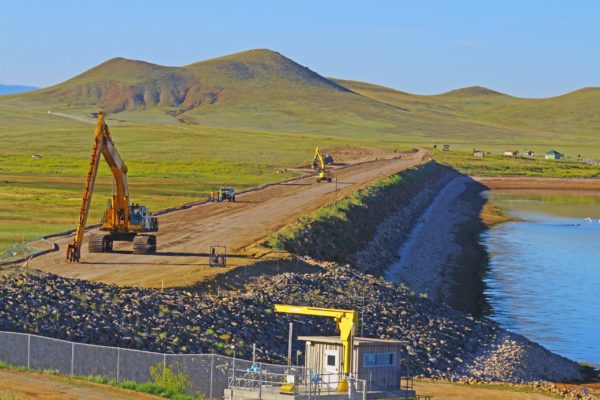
column 122, row 221
column 319, row 165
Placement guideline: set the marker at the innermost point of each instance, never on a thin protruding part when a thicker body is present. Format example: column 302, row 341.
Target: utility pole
column 362, row 315
column 290, row 344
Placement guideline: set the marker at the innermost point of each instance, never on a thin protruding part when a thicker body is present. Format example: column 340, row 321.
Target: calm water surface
column 544, row 275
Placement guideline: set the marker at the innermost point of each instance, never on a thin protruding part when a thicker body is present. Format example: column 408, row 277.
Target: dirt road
column 449, row 391
column 185, row 235
column 31, row 385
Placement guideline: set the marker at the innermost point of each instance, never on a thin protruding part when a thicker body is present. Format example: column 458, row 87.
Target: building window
column 331, row 360
column 379, row 359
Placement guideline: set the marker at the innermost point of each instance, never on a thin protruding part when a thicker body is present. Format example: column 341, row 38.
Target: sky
column 526, row 48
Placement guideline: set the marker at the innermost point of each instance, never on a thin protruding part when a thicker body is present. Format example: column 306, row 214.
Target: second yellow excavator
column 319, row 165
column 122, row 221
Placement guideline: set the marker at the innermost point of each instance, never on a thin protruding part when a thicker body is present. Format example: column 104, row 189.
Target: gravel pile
column 441, row 342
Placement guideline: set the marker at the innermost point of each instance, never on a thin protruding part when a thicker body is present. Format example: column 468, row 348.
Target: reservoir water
column 544, row 273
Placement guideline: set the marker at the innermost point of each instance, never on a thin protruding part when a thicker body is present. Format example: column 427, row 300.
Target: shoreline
column 457, row 278
column 524, row 182
column 442, row 256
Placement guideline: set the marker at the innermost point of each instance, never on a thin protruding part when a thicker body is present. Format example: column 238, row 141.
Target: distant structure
column 529, row 153
column 445, row 147
column 478, row 153
column 553, row 155
column 36, row 155
column 512, row 153
column 378, row 361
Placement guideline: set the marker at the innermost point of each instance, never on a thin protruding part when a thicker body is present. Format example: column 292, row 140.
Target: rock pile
column 440, row 342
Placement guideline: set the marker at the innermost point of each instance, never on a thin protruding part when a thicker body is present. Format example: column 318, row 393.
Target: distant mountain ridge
column 14, row 89
column 262, row 89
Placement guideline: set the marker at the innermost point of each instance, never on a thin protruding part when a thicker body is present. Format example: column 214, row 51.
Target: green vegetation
column 169, row 388
column 496, row 165
column 241, row 119
column 338, row 230
column 168, row 379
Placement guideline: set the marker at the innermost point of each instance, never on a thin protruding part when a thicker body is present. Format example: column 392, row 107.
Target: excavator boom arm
column 119, row 171
column 103, row 145
column 319, row 157
column 74, row 249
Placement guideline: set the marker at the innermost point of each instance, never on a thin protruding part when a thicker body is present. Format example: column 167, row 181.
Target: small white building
column 512, row 153
column 377, row 361
column 478, row 153
column 529, row 153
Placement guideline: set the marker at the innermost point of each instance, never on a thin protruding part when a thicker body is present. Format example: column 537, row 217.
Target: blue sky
column 525, row 48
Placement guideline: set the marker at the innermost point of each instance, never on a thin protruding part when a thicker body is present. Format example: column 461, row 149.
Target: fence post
column 259, row 383
column 72, row 356
column 118, row 361
column 28, row 351
column 364, row 393
column 164, row 364
column 212, row 365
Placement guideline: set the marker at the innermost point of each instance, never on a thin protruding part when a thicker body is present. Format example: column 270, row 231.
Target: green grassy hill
column 574, row 115
column 238, row 120
column 265, row 91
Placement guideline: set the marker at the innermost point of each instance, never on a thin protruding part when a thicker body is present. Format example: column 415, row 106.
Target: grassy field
column 498, row 165
column 238, row 120
column 168, row 165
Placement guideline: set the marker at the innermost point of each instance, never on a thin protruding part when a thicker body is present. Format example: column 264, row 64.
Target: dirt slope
column 31, row 385
column 185, row 235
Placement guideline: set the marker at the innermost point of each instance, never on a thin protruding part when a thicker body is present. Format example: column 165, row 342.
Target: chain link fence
column 209, row 374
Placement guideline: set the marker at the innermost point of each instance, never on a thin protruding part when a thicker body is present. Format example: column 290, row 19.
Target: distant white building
column 529, row 153
column 511, row 153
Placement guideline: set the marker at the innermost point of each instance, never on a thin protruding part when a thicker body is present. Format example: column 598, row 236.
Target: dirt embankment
column 419, row 228
column 187, row 233
column 366, row 229
column 442, row 257
column 440, row 342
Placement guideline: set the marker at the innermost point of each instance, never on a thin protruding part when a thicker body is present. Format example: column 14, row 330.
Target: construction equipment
column 217, row 257
column 346, row 322
column 121, row 221
column 226, row 194
column 319, row 165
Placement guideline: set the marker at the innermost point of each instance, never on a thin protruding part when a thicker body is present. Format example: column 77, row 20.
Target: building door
column 331, row 368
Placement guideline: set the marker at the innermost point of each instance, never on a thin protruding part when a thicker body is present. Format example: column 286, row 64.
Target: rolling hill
column 242, row 120
column 265, row 91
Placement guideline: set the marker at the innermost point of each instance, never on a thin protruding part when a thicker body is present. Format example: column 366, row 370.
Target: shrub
column 168, row 379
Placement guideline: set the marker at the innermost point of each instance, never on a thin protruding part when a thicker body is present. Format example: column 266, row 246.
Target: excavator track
column 144, row 244
column 100, row 243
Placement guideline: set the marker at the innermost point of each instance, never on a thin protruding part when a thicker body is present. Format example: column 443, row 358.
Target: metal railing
column 297, row 381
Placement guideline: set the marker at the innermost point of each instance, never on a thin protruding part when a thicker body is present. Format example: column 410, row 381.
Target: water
column 544, row 274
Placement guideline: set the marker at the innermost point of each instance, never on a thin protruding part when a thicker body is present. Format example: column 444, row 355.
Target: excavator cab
column 140, row 215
